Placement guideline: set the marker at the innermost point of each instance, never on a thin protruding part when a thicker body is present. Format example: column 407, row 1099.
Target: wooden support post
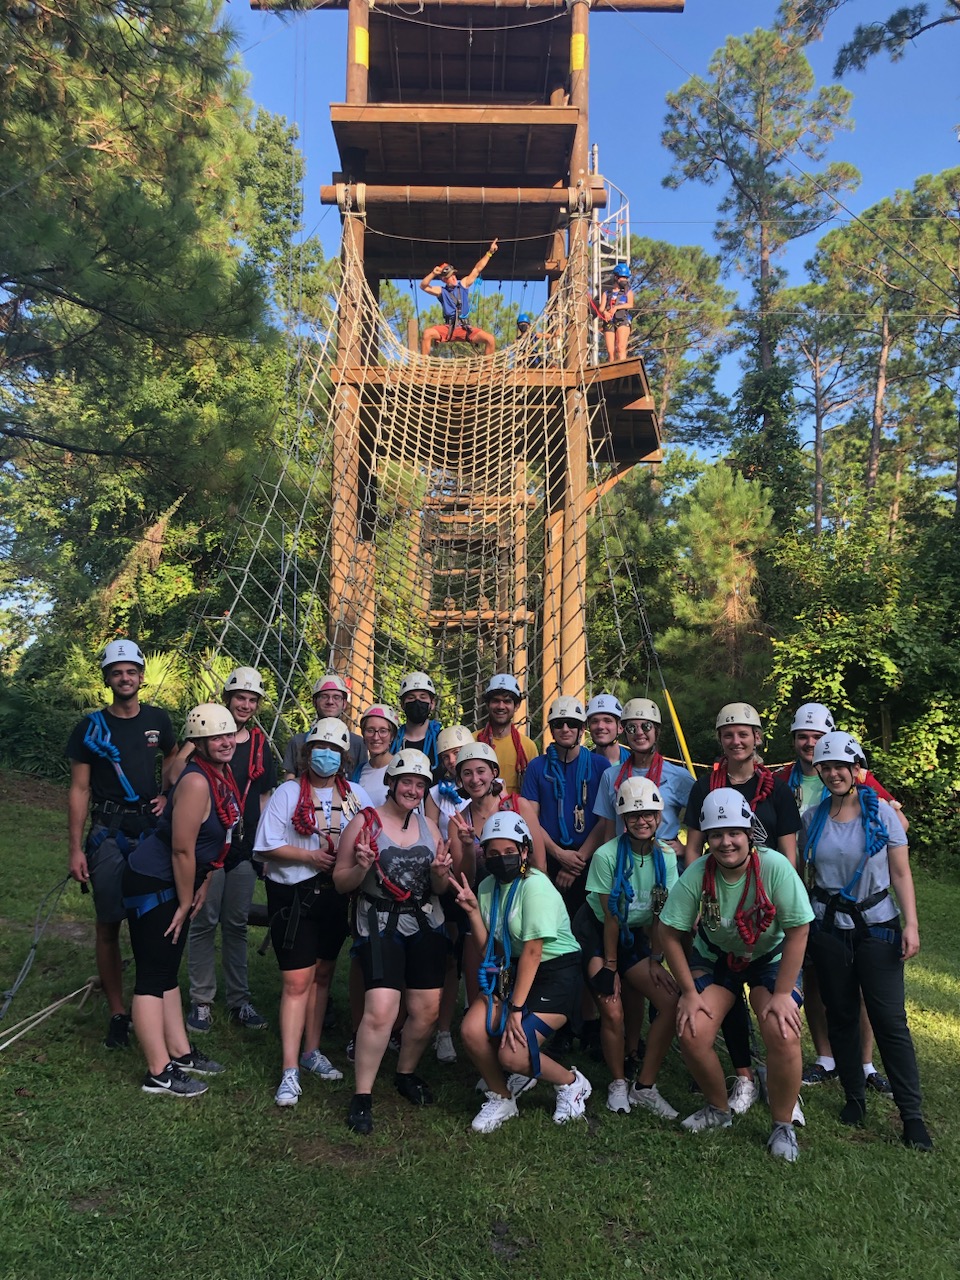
column 358, row 51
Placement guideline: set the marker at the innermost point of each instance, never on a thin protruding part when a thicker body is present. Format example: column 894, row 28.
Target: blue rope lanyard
column 795, row 783
column 427, row 746
column 97, row 739
column 875, row 836
column 621, row 890
column 489, row 972
column 450, row 791
column 554, row 772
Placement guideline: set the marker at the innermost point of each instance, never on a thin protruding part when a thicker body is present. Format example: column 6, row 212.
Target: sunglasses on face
column 634, row 727
column 565, row 724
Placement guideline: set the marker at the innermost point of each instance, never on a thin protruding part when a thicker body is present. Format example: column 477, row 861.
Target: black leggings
column 157, row 958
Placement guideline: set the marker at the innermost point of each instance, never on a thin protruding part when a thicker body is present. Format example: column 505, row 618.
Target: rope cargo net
column 407, row 518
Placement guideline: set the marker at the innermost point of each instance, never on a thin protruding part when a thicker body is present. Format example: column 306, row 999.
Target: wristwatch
column 515, row 1008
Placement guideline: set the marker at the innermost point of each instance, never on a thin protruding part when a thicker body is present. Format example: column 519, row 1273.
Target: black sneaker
column 562, row 1042
column 198, row 1063
column 854, row 1113
column 118, row 1032
column 915, row 1135
column 879, row 1084
column 173, row 1083
column 351, row 1048
column 413, row 1089
column 360, row 1115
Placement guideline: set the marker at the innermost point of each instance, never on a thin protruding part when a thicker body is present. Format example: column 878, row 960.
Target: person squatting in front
column 165, row 885
column 618, row 932
column 855, row 852
column 750, row 916
column 230, row 889
column 398, row 876
column 529, row 977
column 297, row 843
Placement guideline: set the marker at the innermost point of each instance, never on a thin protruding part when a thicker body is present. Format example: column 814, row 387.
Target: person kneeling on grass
column 754, row 916
column 618, row 931
column 164, row 886
column 530, row 977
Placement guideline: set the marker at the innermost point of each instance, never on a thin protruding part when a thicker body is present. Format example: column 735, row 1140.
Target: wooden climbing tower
column 465, row 121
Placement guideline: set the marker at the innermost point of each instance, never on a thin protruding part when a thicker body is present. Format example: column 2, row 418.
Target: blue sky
column 905, row 113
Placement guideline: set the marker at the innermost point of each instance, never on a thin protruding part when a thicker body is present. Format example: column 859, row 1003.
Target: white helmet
column 331, row 681
column 638, row 795
column 604, row 704
column 566, row 709
column 409, row 762
column 331, row 732
column 839, row 748
column 725, row 808
column 208, row 720
column 478, row 751
column 505, row 683
column 738, row 713
column 244, row 680
column 641, row 709
column 506, row 825
column 453, row 738
column 814, row 717
column 122, row 651
column 417, row 682
column 383, row 712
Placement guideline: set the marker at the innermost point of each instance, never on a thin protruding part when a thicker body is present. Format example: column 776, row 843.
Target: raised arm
column 483, row 262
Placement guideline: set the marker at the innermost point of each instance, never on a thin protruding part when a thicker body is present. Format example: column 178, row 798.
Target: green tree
column 806, row 19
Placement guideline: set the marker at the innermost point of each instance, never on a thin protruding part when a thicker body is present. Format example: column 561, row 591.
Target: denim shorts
column 761, row 972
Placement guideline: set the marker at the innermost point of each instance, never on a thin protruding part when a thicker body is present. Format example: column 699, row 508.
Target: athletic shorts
column 588, row 931
column 418, row 962
column 459, row 334
column 556, row 987
column 758, row 973
column 106, row 865
column 321, row 929
column 156, row 955
column 618, row 322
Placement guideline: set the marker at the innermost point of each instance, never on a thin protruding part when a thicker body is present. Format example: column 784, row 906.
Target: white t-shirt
column 447, row 808
column 276, row 827
column 374, row 783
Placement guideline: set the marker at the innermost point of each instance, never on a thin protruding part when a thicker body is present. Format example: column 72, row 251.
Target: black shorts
column 418, row 962
column 556, row 988
column 319, row 932
column 157, row 957
column 588, row 931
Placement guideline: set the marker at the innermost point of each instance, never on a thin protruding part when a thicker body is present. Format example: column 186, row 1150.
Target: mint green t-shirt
column 603, row 866
column 537, row 911
column 784, row 889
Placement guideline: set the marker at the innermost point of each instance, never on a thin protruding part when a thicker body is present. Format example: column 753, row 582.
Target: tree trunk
column 879, row 395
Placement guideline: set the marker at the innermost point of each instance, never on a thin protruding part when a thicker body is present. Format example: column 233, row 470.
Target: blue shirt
column 539, row 788
column 675, row 786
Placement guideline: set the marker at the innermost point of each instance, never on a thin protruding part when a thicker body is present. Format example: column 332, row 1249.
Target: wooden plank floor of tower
column 467, row 123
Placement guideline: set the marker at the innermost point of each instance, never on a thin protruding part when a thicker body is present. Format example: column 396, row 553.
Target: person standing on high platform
column 514, row 749
column 454, row 295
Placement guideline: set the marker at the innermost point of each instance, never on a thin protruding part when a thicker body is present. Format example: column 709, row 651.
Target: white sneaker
column 572, row 1098
column 707, row 1117
column 798, row 1118
column 319, row 1064
column 743, row 1095
column 653, row 1100
column 518, row 1084
column 783, row 1142
column 493, row 1113
column 443, row 1045
column 618, row 1099
column 288, row 1095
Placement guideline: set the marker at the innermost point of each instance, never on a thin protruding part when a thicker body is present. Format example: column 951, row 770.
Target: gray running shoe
column 783, row 1142
column 173, row 1083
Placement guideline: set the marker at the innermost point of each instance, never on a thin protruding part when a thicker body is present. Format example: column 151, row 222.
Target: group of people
column 557, row 884
column 444, row 282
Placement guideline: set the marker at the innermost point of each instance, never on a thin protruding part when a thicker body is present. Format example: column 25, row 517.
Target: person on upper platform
column 454, row 294
column 616, row 303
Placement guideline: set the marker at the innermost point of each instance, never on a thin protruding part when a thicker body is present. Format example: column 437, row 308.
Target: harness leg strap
column 531, row 1024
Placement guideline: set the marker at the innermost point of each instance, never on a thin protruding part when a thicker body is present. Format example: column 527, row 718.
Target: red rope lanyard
column 256, row 769
column 718, row 778
column 751, row 922
column 486, row 735
column 654, row 770
column 226, row 800
column 373, row 826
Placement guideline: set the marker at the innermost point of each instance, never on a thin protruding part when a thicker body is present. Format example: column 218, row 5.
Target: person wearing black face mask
column 418, row 698
column 530, row 977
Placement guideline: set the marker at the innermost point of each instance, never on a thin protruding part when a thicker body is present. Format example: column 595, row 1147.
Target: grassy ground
column 100, row 1180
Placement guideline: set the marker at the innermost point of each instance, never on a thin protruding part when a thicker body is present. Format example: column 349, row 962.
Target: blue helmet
column 621, row 272
column 523, row 318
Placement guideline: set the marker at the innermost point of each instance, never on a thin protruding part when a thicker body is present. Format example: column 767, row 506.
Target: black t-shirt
column 140, row 740
column 778, row 813
column 240, row 765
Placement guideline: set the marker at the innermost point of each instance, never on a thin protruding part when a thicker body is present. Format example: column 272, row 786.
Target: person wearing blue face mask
column 297, row 842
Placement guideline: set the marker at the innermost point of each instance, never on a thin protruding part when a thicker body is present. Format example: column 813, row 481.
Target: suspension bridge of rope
column 453, row 513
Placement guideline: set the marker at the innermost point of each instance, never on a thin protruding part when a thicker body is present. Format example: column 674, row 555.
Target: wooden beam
column 558, row 197
column 450, row 115
column 600, row 6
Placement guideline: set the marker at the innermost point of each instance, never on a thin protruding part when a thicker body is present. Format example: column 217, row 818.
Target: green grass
column 99, row 1180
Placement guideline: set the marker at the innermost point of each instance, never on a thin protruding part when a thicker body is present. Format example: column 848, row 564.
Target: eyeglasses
column 633, row 727
column 565, row 724
column 378, row 733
